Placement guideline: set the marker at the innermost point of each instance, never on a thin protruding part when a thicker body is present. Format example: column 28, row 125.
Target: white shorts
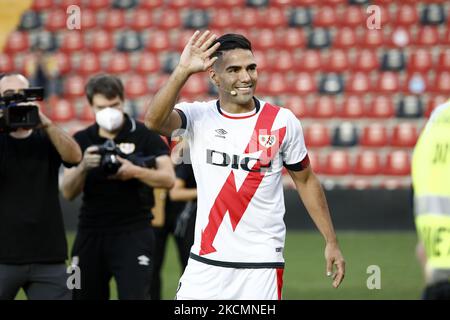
column 201, row 281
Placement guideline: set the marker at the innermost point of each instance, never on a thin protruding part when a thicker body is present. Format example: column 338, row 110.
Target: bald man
column 33, row 246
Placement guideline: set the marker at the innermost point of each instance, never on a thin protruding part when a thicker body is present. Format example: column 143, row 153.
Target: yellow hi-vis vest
column 431, row 183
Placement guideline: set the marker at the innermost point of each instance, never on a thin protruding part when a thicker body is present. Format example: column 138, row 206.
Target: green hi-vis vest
column 431, row 182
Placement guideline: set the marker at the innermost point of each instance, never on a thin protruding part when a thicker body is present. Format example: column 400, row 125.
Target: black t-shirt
column 183, row 171
column 31, row 223
column 115, row 205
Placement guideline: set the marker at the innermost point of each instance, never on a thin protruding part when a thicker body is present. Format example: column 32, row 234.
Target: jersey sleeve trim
column 299, row 166
column 183, row 119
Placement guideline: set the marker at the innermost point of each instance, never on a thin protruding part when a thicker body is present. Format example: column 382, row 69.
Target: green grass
column 304, row 276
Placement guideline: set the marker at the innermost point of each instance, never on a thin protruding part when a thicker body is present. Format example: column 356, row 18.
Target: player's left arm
column 313, row 197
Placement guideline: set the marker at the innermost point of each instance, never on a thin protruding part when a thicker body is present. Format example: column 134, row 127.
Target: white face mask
column 109, row 118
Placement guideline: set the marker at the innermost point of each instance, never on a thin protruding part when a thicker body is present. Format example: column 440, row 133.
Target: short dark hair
column 231, row 41
column 107, row 85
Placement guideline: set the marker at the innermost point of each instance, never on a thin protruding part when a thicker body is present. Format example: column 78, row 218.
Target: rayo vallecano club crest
column 127, row 148
column 267, row 140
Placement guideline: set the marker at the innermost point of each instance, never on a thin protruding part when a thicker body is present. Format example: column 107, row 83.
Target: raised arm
column 196, row 57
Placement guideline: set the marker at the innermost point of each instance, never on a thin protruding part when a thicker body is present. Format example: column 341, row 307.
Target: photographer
column 33, row 246
column 114, row 237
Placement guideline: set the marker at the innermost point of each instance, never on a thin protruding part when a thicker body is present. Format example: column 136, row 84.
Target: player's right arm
column 196, row 57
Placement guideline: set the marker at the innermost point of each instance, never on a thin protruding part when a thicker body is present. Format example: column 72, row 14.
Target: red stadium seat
column 169, row 19
column 398, row 164
column 366, row 61
column 291, row 39
column 427, row 36
column 434, row 102
column 337, row 61
column 61, row 110
column 373, row 39
column 272, row 17
column 317, row 135
column 315, row 162
column 114, row 19
column 441, row 83
column 297, row 105
column 358, row 83
column 421, row 60
column 326, row 17
column 181, row 40
column 87, row 114
column 266, row 39
column 6, row 63
column 17, row 42
column 147, row 63
column 196, row 85
column 346, row 38
column 324, row 107
column 443, row 60
column 367, row 163
column 281, row 61
column 303, row 83
column 101, row 41
column 88, row 19
column 310, row 61
column 446, row 36
column 399, row 37
column 278, row 84
column 158, row 41
column 338, row 163
column 74, row 86
column 231, row 4
column 353, row 107
column 406, row 15
column 89, row 64
column 136, row 87
column 374, row 135
column 262, row 61
column 387, row 83
column 353, row 16
column 142, row 19
column 64, row 64
column 97, row 4
column 64, row 4
column 221, row 18
column 334, row 2
column 246, row 18
column 178, row 4
column 381, row 107
column 203, row 4
column 41, row 5
column 118, row 63
column 404, row 135
column 282, row 3
column 72, row 41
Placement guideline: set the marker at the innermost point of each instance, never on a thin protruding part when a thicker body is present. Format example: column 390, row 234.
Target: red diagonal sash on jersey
column 236, row 201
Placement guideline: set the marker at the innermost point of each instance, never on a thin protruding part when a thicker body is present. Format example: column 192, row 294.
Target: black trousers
column 126, row 256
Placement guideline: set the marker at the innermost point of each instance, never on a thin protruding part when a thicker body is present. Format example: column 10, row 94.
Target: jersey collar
column 238, row 116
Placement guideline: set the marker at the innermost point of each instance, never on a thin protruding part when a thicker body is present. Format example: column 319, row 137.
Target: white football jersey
column 237, row 161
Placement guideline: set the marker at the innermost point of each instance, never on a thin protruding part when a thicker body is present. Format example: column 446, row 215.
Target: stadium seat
column 17, row 42
column 416, row 83
column 365, row 61
column 89, row 64
column 266, row 39
column 196, row 19
column 441, row 83
column 310, row 61
column 381, row 107
column 64, row 64
column 272, row 18
column 30, row 20
column 427, row 36
column 74, row 86
column 387, row 83
column 399, row 37
column 101, row 41
column 88, row 19
column 404, row 135
column 300, row 17
column 278, row 84
column 393, row 60
column 141, row 20
column 177, row 4
column 443, row 60
column 262, row 60
column 61, row 110
column 282, row 3
column 257, row 3
column 64, row 4
column 358, row 83
column 353, row 17
column 358, row 2
column 315, row 162
column 410, row 107
column 331, row 83
column 398, row 164
column 421, row 60
column 433, row 14
column 72, row 41
column 147, row 63
column 246, row 18
column 124, row 4
column 151, row 4
column 170, row 61
column 221, row 18
column 87, row 114
column 46, row 41
column 297, row 105
column 303, row 83
column 374, row 135
column 99, row 4
column 373, row 39
column 231, row 3
column 336, row 61
column 346, row 38
column 353, row 108
column 367, row 163
column 334, row 2
column 324, row 107
column 291, row 39
column 136, row 87
column 195, row 86
column 337, row 163
column 319, row 38
column 203, row 4
column 281, row 61
column 118, row 63
column 405, row 15
column 42, row 5
column 317, row 135
column 345, row 135
column 325, row 17
column 129, row 41
column 114, row 19
column 158, row 41
column 435, row 102
column 6, row 63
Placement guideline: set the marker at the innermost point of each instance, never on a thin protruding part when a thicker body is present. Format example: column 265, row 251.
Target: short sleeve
column 294, row 152
column 191, row 113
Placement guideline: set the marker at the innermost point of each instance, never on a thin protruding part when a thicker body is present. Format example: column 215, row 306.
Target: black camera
column 14, row 116
column 110, row 164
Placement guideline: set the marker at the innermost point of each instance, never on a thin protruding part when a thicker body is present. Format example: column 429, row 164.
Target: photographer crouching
column 122, row 162
column 33, row 246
